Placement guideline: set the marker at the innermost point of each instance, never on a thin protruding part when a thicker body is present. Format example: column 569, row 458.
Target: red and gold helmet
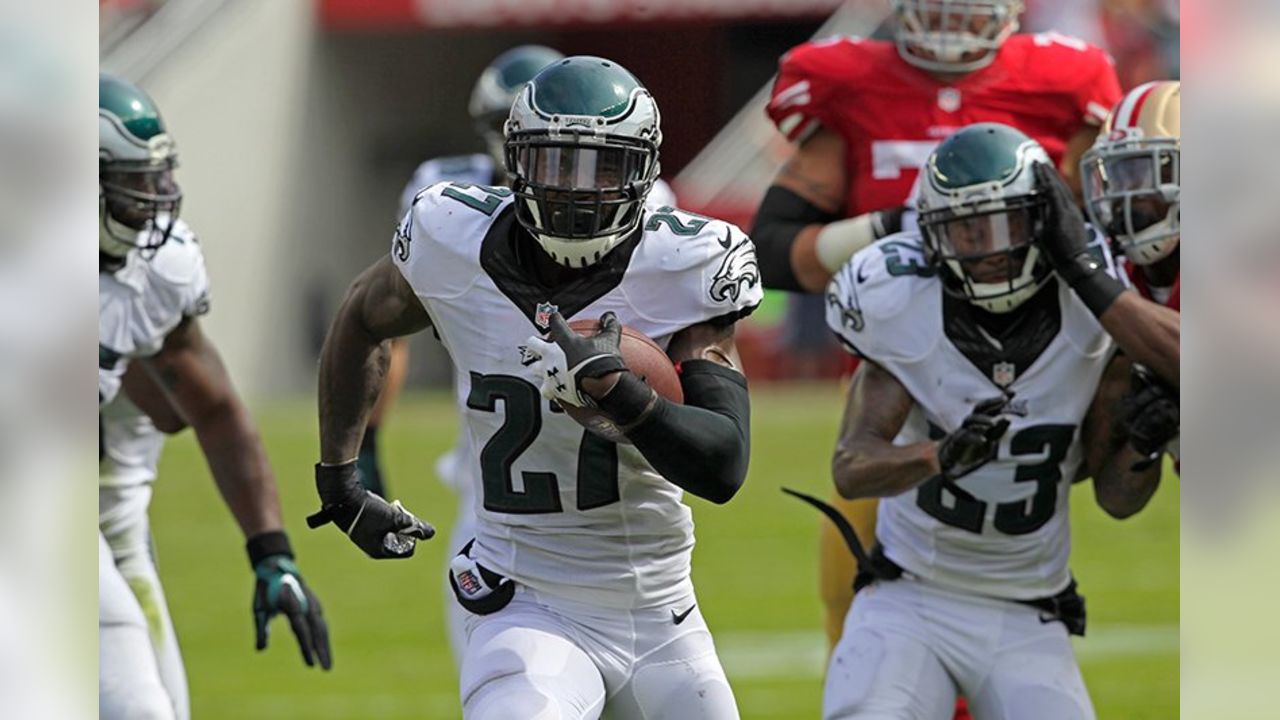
column 1131, row 175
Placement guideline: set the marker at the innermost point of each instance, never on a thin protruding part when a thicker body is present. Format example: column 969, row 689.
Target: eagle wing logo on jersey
column 400, row 245
column 850, row 316
column 542, row 315
column 738, row 272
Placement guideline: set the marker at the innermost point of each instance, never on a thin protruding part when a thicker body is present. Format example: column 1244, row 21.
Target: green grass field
column 754, row 566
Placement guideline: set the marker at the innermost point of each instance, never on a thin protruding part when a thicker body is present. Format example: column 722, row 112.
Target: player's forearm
column 353, row 367
column 239, row 466
column 873, row 467
column 1122, row 491
column 785, row 233
column 1149, row 333
column 702, row 446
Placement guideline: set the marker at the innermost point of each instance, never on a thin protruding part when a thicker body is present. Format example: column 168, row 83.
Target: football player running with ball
column 865, row 114
column 987, row 389
column 578, row 579
column 157, row 373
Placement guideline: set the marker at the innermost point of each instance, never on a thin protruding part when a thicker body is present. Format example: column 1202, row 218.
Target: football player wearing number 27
column 988, row 389
column 577, row 582
column 865, row 114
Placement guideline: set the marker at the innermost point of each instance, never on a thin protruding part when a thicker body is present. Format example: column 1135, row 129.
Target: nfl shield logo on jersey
column 1002, row 373
column 542, row 315
column 949, row 99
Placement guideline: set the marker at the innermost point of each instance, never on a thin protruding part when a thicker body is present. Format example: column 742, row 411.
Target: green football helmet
column 497, row 87
column 582, row 152
column 980, row 213
column 138, row 200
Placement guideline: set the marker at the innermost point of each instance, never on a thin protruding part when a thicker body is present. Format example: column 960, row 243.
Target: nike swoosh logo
column 680, row 617
column 728, row 239
column 861, row 278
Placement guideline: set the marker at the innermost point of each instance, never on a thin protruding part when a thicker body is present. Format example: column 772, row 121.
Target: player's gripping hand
column 976, row 441
column 381, row 529
column 1065, row 237
column 281, row 590
column 1151, row 415
column 570, row 358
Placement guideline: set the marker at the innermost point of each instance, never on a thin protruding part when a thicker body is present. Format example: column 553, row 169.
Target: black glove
column 1065, row 240
column 1151, row 415
column 568, row 358
column 381, row 529
column 976, row 441
column 280, row 589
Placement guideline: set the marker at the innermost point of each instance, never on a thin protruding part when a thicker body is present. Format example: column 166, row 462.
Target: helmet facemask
column 987, row 249
column 954, row 36
column 1131, row 190
column 579, row 193
column 138, row 205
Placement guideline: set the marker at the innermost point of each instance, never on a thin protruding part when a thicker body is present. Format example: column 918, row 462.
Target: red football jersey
column 1144, row 289
column 892, row 114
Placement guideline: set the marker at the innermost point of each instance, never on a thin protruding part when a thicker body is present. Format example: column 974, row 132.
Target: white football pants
column 542, row 658
column 909, row 647
column 135, row 594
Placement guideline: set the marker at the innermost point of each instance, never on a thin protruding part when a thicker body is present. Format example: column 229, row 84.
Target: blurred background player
column 865, row 114
column 987, row 390
column 577, row 581
column 490, row 104
column 152, row 288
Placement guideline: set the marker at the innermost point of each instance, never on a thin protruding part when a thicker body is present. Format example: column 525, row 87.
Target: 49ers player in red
column 1132, row 188
column 865, row 114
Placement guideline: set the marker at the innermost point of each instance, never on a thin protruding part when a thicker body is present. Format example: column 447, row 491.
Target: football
column 644, row 358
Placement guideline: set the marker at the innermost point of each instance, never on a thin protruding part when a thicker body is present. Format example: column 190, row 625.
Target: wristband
column 265, row 544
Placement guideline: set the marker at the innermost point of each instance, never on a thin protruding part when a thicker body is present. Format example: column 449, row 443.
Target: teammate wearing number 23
column 577, row 582
column 989, row 388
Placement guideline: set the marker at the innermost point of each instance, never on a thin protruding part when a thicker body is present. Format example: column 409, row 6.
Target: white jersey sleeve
column 869, row 299
column 660, row 195
column 476, row 169
column 437, row 244
column 142, row 302
column 689, row 269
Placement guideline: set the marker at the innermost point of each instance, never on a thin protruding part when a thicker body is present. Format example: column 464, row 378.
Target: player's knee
column 499, row 697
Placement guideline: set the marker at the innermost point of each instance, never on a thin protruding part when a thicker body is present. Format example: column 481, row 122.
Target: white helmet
column 582, row 152
column 954, row 36
column 980, row 213
column 138, row 200
column 1132, row 174
column 496, row 89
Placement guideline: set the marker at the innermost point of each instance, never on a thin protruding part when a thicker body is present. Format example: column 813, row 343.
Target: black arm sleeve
column 782, row 215
column 701, row 446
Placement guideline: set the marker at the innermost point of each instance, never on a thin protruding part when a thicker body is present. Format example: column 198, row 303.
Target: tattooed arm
column 379, row 306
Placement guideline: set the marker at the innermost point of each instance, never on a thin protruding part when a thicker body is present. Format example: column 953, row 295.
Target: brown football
column 644, row 358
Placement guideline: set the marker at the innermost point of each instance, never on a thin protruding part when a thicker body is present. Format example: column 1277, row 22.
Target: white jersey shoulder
column 871, row 299
column 474, row 169
column 688, row 269
column 437, row 244
column 142, row 302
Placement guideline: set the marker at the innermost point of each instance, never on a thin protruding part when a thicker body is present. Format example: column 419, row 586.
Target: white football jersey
column 1002, row 530
column 138, row 306
column 559, row 509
